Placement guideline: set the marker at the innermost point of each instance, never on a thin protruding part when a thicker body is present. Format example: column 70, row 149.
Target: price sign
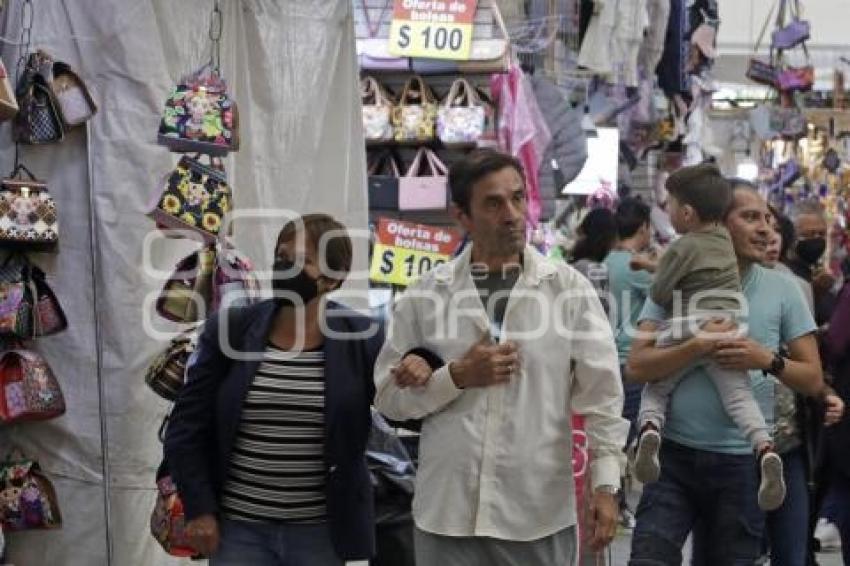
column 404, row 250
column 436, row 29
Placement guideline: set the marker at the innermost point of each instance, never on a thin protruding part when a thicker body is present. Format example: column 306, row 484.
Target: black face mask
column 810, row 250
column 301, row 284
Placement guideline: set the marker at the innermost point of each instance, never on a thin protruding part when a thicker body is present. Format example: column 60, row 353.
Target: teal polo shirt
column 777, row 315
column 629, row 289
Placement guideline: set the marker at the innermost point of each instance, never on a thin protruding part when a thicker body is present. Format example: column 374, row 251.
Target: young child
column 698, row 277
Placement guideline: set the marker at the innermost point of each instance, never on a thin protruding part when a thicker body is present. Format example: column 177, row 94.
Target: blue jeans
column 840, row 489
column 274, row 544
column 788, row 526
column 719, row 490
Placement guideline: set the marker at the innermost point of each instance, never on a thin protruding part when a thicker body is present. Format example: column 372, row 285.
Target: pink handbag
column 428, row 192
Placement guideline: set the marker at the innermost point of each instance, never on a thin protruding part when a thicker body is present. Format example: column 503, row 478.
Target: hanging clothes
column 613, row 40
column 658, row 13
column 522, row 129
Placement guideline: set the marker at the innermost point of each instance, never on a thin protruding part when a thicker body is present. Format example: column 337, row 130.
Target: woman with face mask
column 267, row 441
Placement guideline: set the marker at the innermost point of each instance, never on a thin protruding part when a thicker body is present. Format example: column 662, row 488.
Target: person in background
column 525, row 345
column 709, row 480
column 837, row 438
column 806, row 253
column 267, row 445
column 778, row 249
column 597, row 236
column 787, row 525
column 628, row 289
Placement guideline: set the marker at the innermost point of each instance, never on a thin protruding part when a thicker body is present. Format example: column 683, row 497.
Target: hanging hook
column 216, row 28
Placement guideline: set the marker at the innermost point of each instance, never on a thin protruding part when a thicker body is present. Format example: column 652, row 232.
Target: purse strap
column 377, row 164
column 764, row 27
column 438, row 168
column 19, row 169
column 461, row 90
column 424, row 91
column 375, row 27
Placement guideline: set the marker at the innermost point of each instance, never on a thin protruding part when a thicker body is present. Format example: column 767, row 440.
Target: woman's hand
column 412, row 371
column 833, row 409
column 203, row 534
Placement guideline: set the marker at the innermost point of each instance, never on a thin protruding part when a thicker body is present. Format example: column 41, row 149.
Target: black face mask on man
column 810, row 250
column 299, row 283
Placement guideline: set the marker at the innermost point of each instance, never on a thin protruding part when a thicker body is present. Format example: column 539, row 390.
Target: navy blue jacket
column 203, row 425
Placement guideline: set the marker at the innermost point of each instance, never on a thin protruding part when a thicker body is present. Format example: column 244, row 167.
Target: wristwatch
column 609, row 489
column 777, row 365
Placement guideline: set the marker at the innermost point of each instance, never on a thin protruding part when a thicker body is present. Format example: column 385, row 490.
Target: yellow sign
column 401, row 266
column 404, row 250
column 432, row 29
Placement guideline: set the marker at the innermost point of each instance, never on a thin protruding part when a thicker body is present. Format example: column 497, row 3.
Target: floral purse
column 377, row 107
column 28, row 306
column 416, row 111
column 199, row 116
column 196, row 197
column 461, row 116
column 28, row 216
column 31, row 391
column 27, row 497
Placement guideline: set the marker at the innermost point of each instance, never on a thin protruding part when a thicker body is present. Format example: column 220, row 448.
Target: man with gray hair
column 806, row 252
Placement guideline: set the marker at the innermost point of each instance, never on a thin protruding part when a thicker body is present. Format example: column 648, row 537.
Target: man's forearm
column 650, row 363
column 803, row 377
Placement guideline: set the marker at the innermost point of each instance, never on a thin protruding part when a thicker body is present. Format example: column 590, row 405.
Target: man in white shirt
column 526, row 344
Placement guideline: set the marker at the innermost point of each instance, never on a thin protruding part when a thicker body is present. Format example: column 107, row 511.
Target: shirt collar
column 535, row 268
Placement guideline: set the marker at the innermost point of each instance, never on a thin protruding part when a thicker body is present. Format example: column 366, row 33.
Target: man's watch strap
column 777, row 364
column 607, row 488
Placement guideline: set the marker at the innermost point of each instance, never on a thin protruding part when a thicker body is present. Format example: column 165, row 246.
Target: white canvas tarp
column 291, row 68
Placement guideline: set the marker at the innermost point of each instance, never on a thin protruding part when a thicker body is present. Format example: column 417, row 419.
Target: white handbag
column 377, row 108
column 461, row 117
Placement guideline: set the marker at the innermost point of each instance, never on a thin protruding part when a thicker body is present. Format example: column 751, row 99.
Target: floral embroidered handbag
column 27, row 497
column 377, row 107
column 30, row 389
column 168, row 519
column 167, row 373
column 28, row 218
column 28, row 306
column 461, row 116
column 196, row 197
column 200, row 116
column 414, row 115
column 234, row 283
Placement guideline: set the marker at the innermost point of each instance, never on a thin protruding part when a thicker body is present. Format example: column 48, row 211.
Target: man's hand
column 203, row 534
column 602, row 520
column 822, row 281
column 412, row 371
column 643, row 261
column 712, row 333
column 485, row 364
column 742, row 354
column 833, row 408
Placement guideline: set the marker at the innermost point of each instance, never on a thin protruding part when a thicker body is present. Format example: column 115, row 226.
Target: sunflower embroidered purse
column 196, row 197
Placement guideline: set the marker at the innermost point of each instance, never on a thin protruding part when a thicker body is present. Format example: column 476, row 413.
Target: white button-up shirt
column 496, row 461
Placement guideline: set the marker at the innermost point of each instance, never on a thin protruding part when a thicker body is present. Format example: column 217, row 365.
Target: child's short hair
column 704, row 188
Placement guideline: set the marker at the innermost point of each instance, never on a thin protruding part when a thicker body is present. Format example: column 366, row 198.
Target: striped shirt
column 277, row 467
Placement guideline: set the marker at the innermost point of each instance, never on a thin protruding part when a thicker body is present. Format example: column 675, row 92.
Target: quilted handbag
column 167, row 373
column 377, row 107
column 168, row 520
column 196, row 197
column 199, row 116
column 461, row 116
column 424, row 192
column 30, row 390
column 762, row 72
column 27, row 497
column 8, row 103
column 76, row 104
column 39, row 120
column 28, row 306
column 414, row 115
column 794, row 33
column 28, row 218
column 383, row 182
column 791, row 79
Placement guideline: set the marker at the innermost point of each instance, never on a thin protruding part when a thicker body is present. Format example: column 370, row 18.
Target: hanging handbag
column 794, row 33
column 48, row 316
column 39, row 120
column 377, row 107
column 234, row 282
column 792, row 79
column 167, row 373
column 27, row 497
column 199, row 116
column 168, row 519
column 758, row 70
column 788, row 121
column 383, row 182
column 28, row 306
column 414, row 115
column 196, row 197
column 424, row 192
column 188, row 292
column 28, row 218
column 30, row 390
column 75, row 102
column 8, row 103
column 461, row 116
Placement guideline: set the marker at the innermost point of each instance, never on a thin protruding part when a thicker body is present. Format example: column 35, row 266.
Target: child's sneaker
column 647, row 467
column 772, row 487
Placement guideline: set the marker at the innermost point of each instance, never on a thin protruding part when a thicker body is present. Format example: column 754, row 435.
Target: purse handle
column 438, row 168
column 377, row 164
column 424, row 91
column 455, row 93
column 371, row 87
column 16, row 172
column 764, row 28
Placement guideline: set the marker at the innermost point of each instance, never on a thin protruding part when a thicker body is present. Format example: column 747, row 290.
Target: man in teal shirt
column 628, row 290
column 708, row 470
